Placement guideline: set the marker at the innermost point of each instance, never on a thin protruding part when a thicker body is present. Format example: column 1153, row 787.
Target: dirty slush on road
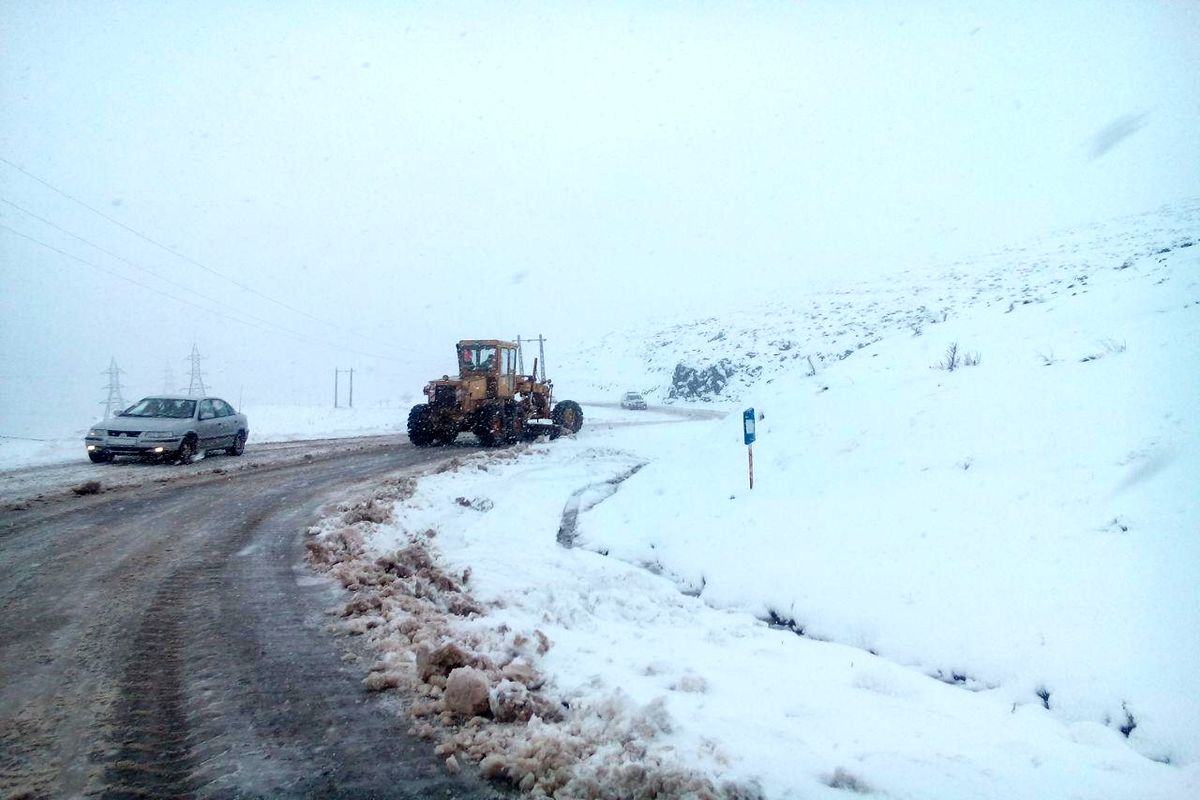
column 475, row 692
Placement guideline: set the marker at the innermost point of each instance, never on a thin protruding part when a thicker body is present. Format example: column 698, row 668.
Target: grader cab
column 492, row 399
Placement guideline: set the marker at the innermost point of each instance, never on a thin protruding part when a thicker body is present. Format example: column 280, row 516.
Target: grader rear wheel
column 489, row 426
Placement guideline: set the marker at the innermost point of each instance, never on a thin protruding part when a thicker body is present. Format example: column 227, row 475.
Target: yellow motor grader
column 492, row 400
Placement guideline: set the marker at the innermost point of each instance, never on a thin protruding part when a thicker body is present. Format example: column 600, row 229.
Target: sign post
column 748, row 433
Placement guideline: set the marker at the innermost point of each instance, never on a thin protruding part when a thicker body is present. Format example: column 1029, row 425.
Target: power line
column 147, row 270
column 186, row 302
column 173, row 251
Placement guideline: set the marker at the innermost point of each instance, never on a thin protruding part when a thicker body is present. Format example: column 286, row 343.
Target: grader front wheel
column 420, row 425
column 567, row 416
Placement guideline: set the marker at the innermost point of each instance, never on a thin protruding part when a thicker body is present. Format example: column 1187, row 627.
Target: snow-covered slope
column 722, row 357
column 1028, row 526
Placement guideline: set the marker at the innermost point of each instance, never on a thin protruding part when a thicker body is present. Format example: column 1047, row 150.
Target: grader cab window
column 477, row 357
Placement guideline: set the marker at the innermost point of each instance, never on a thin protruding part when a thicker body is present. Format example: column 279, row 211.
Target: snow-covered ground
column 983, row 582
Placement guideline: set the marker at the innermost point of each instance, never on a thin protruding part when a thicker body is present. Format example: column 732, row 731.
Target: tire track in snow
column 588, row 498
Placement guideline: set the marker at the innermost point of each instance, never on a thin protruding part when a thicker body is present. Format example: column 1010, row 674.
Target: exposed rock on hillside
column 690, row 383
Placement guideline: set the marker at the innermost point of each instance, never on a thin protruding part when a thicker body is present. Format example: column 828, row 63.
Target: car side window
column 206, row 409
column 223, row 408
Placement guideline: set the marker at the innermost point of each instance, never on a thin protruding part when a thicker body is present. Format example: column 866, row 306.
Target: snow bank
column 474, row 660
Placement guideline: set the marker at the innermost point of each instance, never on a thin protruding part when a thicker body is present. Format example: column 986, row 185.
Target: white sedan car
column 172, row 428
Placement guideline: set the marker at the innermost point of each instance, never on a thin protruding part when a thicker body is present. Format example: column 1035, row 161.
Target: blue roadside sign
column 748, row 425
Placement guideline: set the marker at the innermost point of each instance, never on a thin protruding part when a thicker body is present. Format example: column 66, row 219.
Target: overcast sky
column 361, row 184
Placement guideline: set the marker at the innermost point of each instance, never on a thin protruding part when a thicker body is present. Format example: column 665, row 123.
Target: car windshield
column 161, row 407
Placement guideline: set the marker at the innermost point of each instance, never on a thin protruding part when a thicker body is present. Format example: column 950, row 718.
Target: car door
column 208, row 425
column 229, row 422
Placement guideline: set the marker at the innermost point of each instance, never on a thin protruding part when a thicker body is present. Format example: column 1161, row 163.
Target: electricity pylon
column 115, row 399
column 196, row 382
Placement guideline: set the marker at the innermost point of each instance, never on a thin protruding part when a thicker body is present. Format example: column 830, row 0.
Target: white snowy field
column 995, row 570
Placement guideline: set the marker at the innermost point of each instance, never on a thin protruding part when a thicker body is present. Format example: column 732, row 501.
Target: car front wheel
column 100, row 457
column 187, row 452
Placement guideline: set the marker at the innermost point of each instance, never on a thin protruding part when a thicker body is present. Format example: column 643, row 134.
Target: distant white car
column 633, row 401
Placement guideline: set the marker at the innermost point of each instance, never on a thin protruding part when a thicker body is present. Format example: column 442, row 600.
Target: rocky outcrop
column 716, row 381
column 689, row 383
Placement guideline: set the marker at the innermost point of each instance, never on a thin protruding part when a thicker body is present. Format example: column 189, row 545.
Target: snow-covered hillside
column 722, row 357
column 1028, row 526
column 971, row 582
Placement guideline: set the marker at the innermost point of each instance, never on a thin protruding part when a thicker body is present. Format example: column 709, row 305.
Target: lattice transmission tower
column 115, row 400
column 196, row 386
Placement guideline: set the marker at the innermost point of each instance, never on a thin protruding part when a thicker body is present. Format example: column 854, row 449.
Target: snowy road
column 40, row 485
column 166, row 639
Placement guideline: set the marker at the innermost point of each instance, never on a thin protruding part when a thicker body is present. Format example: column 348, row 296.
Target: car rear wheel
column 239, row 444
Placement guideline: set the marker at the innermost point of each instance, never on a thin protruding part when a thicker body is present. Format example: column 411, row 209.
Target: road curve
column 167, row 640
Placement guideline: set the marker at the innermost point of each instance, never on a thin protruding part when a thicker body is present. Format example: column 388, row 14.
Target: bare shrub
column 88, row 487
column 955, row 358
column 1108, row 347
column 951, row 361
column 844, row 779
